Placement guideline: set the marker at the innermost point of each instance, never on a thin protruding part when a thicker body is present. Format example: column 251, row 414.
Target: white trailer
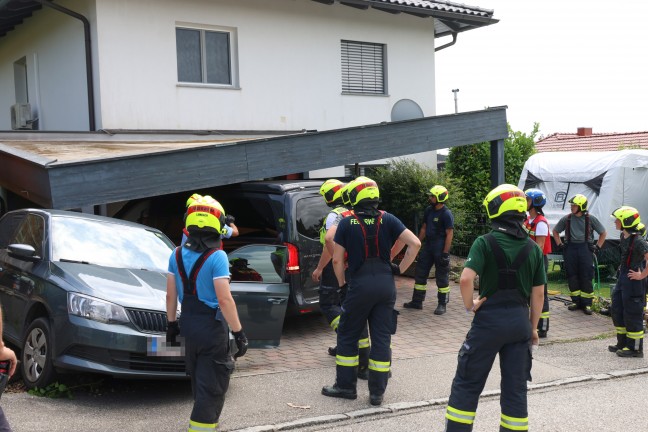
column 608, row 180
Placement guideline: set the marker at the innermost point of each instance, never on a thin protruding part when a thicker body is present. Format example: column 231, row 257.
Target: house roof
column 592, row 141
column 449, row 17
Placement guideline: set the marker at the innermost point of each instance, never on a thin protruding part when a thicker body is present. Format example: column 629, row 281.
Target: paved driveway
column 420, row 333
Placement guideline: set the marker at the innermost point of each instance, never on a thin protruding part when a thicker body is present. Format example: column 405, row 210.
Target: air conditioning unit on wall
column 21, row 116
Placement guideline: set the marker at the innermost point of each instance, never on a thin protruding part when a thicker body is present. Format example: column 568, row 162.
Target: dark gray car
column 84, row 292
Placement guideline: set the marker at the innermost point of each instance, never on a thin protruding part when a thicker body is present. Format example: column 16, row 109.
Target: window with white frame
column 363, row 68
column 206, row 56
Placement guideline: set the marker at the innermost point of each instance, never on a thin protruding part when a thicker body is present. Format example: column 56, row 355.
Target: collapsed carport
column 82, row 170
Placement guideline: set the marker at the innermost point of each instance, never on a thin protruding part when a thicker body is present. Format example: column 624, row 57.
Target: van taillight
column 292, row 265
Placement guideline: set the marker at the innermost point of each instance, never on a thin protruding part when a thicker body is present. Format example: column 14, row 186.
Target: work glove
column 395, row 268
column 173, row 330
column 229, row 219
column 560, row 247
column 445, row 259
column 241, row 343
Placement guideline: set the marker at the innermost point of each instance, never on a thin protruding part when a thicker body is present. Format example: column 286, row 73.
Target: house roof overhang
column 449, row 18
column 75, row 170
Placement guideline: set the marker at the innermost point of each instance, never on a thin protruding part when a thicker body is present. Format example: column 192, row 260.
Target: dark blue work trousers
column 579, row 265
column 501, row 326
column 370, row 298
column 628, row 300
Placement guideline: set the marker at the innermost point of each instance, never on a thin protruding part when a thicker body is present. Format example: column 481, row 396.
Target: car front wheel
column 36, row 367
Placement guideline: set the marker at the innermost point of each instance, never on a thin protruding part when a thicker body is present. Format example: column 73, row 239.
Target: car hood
column 132, row 288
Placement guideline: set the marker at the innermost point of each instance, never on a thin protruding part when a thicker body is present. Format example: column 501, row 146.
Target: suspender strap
column 189, row 283
column 367, row 238
column 630, row 250
column 507, row 273
column 588, row 228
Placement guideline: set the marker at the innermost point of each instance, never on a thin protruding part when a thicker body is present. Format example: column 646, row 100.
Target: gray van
column 281, row 212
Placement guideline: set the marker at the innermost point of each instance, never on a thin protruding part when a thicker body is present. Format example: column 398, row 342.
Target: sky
column 561, row 63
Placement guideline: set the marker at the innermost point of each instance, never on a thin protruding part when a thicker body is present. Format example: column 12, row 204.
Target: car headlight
column 95, row 309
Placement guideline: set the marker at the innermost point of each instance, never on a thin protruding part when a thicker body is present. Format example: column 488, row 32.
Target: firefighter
column 437, row 230
column 367, row 237
column 511, row 273
column 199, row 280
column 330, row 295
column 537, row 226
column 578, row 248
column 231, row 230
column 629, row 294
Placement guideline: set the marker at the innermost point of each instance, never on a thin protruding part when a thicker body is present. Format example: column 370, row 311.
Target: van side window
column 310, row 215
column 253, row 216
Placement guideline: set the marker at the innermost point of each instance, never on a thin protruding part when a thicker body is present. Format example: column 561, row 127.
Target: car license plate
column 157, row 346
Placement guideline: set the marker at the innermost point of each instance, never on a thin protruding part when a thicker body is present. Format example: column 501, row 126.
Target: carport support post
column 497, row 162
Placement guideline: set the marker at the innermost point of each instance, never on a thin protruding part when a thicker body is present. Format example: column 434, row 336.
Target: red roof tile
column 593, row 142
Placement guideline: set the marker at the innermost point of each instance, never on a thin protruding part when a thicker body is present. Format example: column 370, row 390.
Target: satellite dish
column 406, row 109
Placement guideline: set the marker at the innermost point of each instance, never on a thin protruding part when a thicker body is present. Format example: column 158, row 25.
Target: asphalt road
column 585, row 388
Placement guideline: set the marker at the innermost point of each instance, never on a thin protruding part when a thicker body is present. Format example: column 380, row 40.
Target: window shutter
column 363, row 68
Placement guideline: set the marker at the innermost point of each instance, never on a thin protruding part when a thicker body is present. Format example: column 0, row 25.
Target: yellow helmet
column 331, row 190
column 579, row 200
column 192, row 198
column 439, row 192
column 210, row 199
column 641, row 228
column 628, row 216
column 363, row 188
column 345, row 194
column 205, row 215
column 505, row 198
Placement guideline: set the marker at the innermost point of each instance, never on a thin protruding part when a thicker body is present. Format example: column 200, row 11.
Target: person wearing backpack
column 511, row 276
column 578, row 248
column 199, row 280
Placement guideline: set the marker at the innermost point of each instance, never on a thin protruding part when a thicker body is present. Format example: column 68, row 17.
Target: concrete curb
column 399, row 407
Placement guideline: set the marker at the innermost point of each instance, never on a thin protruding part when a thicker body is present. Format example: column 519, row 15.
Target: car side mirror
column 23, row 252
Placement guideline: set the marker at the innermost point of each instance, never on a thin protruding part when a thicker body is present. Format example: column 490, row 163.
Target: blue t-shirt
column 349, row 235
column 216, row 267
column 437, row 222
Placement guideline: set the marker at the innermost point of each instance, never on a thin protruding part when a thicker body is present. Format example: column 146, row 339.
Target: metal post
column 455, row 91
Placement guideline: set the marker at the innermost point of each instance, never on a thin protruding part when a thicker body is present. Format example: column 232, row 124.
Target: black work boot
column 337, row 392
column 573, row 306
column 375, row 399
column 440, row 310
column 542, row 333
column 627, row 352
column 413, row 305
column 332, row 351
column 587, row 310
column 621, row 342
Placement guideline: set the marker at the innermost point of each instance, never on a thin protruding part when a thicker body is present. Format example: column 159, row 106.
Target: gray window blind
column 363, row 67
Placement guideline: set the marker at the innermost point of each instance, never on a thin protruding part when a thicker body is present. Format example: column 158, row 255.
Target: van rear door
column 260, row 292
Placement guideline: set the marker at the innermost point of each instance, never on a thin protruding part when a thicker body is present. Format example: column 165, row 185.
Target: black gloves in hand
column 560, row 247
column 241, row 343
column 229, row 219
column 173, row 330
column 445, row 259
column 395, row 268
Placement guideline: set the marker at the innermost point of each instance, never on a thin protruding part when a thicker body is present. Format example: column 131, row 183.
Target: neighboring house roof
column 585, row 140
column 450, row 18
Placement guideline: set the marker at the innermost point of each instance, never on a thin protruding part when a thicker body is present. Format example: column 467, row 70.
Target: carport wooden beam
column 198, row 164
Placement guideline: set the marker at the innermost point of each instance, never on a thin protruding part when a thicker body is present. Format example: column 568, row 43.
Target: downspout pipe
column 88, row 56
column 454, row 40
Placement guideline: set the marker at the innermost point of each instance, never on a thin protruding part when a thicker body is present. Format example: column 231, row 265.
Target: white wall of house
column 52, row 44
column 287, row 63
column 289, row 67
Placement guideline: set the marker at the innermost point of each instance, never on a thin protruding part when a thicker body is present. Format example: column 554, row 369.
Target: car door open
column 260, row 292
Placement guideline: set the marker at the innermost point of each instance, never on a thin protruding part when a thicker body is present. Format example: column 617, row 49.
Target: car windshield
column 109, row 244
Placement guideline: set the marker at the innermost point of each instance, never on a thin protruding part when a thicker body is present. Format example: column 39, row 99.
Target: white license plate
column 156, row 346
